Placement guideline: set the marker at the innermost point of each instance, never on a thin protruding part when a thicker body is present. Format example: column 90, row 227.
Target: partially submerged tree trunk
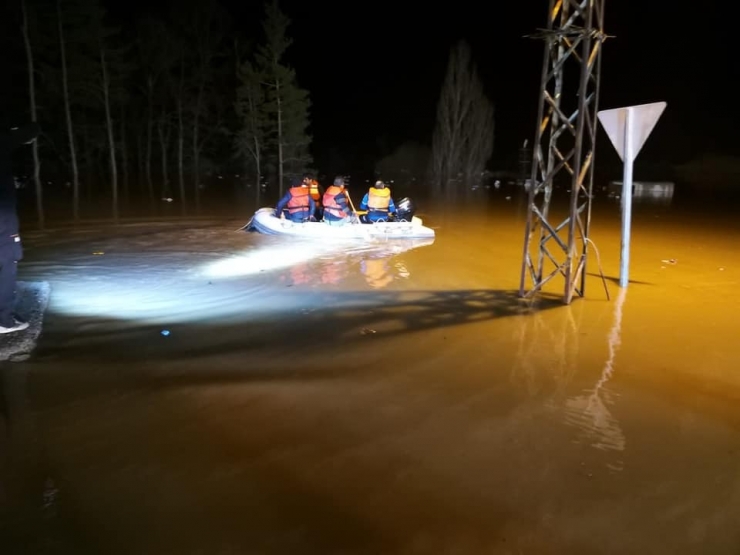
column 140, row 173
column 149, row 139
column 68, row 116
column 258, row 172
column 280, row 135
column 89, row 160
column 251, row 107
column 124, row 160
column 109, row 129
column 164, row 139
column 181, row 138
column 196, row 145
column 32, row 105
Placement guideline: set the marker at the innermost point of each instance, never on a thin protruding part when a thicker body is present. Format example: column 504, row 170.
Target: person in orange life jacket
column 316, row 193
column 378, row 203
column 336, row 204
column 11, row 249
column 297, row 203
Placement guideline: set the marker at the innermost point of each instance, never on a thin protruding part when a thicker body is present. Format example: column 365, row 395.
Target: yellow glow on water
column 409, row 413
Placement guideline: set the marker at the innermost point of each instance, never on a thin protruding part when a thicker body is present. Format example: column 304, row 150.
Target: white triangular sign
column 644, row 118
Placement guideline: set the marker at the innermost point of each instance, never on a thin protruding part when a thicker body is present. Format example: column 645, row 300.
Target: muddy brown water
column 366, row 401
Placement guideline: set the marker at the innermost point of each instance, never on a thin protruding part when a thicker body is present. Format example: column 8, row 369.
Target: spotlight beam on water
column 186, row 287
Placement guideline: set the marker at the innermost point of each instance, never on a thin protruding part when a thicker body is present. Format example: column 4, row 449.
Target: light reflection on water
column 379, row 263
column 589, row 412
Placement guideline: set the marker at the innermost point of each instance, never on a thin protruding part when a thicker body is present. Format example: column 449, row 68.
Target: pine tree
column 289, row 104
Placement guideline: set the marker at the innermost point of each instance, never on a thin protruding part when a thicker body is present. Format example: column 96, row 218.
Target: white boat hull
column 265, row 221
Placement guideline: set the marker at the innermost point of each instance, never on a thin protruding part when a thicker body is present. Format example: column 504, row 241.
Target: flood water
column 372, row 399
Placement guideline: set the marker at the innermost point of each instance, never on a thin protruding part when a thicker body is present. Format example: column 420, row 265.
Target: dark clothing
column 9, row 141
column 9, row 256
column 11, row 250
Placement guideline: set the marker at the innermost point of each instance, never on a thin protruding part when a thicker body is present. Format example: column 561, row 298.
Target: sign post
column 628, row 128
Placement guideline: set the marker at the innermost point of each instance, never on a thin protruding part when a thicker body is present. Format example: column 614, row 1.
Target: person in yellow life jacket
column 336, row 204
column 378, row 203
column 297, row 204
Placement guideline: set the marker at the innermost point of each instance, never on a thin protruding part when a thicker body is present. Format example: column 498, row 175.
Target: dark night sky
column 374, row 70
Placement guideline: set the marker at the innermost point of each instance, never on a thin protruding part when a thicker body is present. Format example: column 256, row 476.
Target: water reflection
column 547, row 353
column 376, row 262
column 28, row 493
column 547, row 362
column 590, row 411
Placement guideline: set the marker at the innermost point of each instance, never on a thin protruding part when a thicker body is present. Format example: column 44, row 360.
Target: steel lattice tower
column 564, row 146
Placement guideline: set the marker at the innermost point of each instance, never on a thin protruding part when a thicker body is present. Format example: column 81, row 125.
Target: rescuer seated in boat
column 378, row 203
column 314, row 189
column 296, row 204
column 337, row 209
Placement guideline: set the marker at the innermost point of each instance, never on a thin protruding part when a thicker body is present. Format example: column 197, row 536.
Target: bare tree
column 34, row 116
column 68, row 115
column 251, row 107
column 124, row 159
column 163, row 130
column 179, row 102
column 207, row 31
column 463, row 138
column 480, row 128
column 157, row 56
column 105, row 87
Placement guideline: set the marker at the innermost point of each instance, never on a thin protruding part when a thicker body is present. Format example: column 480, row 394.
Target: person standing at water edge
column 336, row 204
column 11, row 250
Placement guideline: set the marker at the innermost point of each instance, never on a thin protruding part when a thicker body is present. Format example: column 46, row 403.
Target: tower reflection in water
column 547, row 364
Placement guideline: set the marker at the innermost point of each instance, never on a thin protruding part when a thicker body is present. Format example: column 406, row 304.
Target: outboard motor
column 405, row 210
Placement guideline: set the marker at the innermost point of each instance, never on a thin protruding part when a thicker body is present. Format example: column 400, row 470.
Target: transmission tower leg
column 563, row 149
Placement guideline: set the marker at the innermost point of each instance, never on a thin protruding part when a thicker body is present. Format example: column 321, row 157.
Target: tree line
column 142, row 112
column 156, row 103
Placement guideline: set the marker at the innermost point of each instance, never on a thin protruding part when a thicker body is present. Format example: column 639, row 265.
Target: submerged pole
column 628, row 157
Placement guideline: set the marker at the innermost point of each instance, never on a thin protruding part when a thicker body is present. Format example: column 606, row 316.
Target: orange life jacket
column 331, row 205
column 298, row 200
column 378, row 200
column 313, row 187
